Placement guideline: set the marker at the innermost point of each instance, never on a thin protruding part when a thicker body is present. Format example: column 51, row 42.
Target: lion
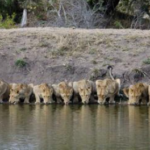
column 20, row 91
column 137, row 93
column 43, row 91
column 148, row 94
column 4, row 91
column 107, row 88
column 85, row 90
column 63, row 92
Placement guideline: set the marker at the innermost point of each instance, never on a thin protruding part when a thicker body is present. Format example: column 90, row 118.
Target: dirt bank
column 53, row 54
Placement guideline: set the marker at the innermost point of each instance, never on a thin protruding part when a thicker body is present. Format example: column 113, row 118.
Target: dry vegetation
column 72, row 54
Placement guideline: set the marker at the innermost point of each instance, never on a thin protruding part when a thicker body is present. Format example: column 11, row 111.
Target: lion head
column 102, row 90
column 85, row 90
column 4, row 90
column 65, row 92
column 16, row 90
column 46, row 92
column 106, row 89
column 3, row 87
column 136, row 93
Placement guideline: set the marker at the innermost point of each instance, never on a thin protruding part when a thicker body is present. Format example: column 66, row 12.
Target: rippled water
column 74, row 127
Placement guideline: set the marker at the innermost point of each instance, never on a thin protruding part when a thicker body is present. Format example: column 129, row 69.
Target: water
column 74, row 127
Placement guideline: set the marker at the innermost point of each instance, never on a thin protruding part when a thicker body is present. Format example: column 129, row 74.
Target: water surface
column 74, row 127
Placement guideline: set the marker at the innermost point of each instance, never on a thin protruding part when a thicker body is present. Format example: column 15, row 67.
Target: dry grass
column 63, row 42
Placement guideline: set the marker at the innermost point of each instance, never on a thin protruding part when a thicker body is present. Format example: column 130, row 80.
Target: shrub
column 8, row 22
column 20, row 63
column 8, row 7
column 118, row 24
column 147, row 61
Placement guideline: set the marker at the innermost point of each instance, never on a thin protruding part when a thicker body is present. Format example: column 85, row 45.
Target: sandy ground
column 35, row 55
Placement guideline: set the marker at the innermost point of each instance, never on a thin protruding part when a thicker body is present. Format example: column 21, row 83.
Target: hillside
column 54, row 54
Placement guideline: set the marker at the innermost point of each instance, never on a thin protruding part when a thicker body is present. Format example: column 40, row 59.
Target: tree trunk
column 24, row 18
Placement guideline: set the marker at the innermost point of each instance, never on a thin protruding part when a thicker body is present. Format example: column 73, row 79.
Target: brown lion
column 148, row 94
column 85, row 89
column 4, row 91
column 63, row 92
column 43, row 91
column 137, row 93
column 20, row 91
column 107, row 88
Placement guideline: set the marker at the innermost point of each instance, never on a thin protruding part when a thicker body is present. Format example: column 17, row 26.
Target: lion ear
column 118, row 82
column 98, row 82
column 60, row 85
column 140, row 84
column 21, row 85
column 126, row 92
column 12, row 85
column 70, row 84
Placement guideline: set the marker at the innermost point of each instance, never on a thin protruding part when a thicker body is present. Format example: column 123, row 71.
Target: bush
column 8, row 7
column 147, row 61
column 20, row 63
column 8, row 22
column 118, row 24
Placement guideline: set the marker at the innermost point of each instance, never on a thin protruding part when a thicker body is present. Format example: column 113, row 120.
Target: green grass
column 20, row 63
column 23, row 49
column 118, row 24
column 147, row 61
column 8, row 22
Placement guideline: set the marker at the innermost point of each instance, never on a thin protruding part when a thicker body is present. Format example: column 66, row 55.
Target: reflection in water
column 111, row 127
column 83, row 127
column 139, row 127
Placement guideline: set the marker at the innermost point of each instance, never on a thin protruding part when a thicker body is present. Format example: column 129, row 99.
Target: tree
column 105, row 6
column 9, row 7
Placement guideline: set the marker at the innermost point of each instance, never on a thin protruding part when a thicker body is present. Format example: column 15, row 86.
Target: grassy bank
column 54, row 54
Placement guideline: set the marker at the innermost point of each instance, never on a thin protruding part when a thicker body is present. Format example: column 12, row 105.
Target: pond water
column 74, row 127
